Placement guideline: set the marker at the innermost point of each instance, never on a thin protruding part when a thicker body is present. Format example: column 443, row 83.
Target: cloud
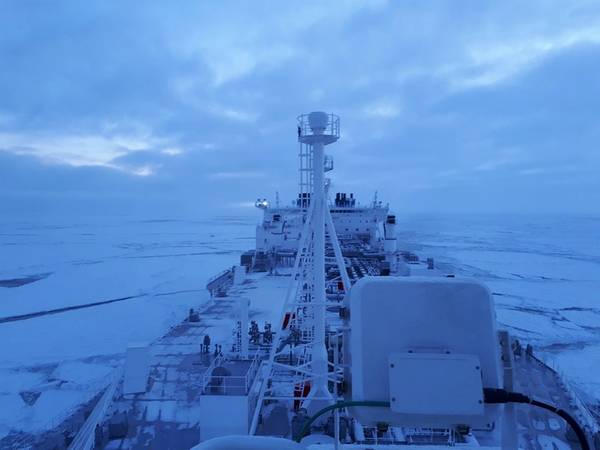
column 233, row 113
column 496, row 62
column 171, row 151
column 120, row 101
column 503, row 159
column 143, row 171
column 139, row 155
column 258, row 38
column 236, row 175
column 78, row 150
column 383, row 110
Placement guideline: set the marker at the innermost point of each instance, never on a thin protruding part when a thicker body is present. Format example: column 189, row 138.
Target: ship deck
column 538, row 428
column 168, row 414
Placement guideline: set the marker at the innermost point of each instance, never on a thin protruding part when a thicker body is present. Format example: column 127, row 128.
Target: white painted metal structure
column 324, row 130
column 305, row 171
column 281, row 227
column 243, row 326
column 303, row 318
column 241, row 442
column 84, row 440
column 429, row 346
column 137, row 366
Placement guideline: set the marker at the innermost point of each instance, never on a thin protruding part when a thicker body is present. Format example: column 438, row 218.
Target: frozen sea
column 74, row 294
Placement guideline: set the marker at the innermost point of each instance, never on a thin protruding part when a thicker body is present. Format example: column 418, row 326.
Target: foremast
column 304, row 318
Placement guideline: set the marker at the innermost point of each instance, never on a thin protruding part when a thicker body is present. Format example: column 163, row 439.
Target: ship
column 328, row 335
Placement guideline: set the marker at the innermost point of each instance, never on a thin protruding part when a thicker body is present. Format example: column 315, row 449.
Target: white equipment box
column 440, row 335
column 435, row 384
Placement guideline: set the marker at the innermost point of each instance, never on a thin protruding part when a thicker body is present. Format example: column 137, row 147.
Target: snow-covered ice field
column 162, row 265
column 543, row 270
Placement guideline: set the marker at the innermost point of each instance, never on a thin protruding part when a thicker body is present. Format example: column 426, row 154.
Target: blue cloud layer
column 190, row 108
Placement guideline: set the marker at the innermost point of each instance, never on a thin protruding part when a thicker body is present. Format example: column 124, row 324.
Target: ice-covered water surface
column 73, row 295
column 544, row 272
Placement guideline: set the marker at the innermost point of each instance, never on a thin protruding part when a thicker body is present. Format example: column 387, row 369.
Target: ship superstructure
column 281, row 227
column 279, row 234
column 327, row 335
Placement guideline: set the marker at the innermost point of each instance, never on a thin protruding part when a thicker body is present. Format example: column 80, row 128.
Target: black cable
column 491, row 396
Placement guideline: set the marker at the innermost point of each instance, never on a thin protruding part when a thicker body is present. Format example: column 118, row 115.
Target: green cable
column 491, row 396
column 338, row 405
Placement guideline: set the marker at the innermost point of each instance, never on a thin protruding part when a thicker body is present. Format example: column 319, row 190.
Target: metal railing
column 207, row 375
column 60, row 421
column 584, row 409
column 222, row 279
column 84, row 440
column 218, row 276
column 252, row 370
column 332, row 128
column 229, row 384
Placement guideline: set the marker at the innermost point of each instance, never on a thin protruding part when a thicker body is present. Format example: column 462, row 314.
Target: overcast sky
column 188, row 108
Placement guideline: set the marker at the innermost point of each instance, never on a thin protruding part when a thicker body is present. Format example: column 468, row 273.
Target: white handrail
column 208, row 373
column 84, row 440
column 273, row 351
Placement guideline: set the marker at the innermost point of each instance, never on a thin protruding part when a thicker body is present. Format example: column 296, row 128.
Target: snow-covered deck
column 171, row 408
